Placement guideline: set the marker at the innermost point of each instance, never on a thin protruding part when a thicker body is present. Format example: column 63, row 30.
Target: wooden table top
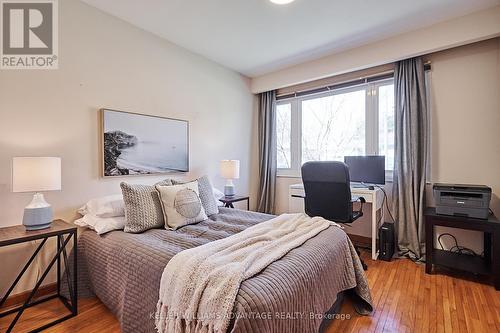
column 18, row 233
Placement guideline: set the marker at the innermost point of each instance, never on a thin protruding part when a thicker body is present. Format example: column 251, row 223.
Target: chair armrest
column 355, row 198
column 359, row 213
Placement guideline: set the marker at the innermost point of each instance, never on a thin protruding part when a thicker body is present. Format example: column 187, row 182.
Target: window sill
column 288, row 176
column 284, row 174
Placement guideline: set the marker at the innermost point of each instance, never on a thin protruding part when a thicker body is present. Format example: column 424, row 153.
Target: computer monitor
column 366, row 169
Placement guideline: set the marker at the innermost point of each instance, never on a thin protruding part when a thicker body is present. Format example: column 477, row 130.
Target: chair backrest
column 327, row 190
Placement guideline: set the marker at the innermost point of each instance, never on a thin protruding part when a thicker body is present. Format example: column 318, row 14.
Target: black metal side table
column 64, row 233
column 228, row 201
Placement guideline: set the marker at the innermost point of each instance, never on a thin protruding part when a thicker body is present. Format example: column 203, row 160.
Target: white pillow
column 102, row 225
column 108, row 206
column 217, row 195
column 181, row 205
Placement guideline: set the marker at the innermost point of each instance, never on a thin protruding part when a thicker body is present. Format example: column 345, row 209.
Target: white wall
column 105, row 62
column 465, row 140
column 465, row 134
column 455, row 32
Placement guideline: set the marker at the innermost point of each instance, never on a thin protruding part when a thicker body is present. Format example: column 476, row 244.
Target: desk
column 374, row 197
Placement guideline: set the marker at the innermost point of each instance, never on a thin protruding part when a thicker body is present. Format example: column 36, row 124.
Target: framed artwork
column 137, row 144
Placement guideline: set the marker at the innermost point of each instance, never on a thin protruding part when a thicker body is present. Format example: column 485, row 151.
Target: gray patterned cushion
column 142, row 207
column 206, row 195
column 181, row 205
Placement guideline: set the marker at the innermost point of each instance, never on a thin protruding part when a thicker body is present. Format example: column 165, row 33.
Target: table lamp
column 36, row 174
column 229, row 169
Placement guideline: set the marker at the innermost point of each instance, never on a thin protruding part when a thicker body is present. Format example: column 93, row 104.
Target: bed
column 297, row 293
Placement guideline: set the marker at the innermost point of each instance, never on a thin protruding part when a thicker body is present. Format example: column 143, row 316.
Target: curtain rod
column 351, row 83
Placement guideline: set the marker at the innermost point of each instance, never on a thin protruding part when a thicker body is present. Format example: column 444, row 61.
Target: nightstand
column 487, row 265
column 64, row 232
column 228, row 201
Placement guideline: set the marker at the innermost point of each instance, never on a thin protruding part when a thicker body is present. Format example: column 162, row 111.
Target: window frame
column 371, row 123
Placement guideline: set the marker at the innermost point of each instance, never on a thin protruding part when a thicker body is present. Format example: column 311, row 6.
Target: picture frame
column 141, row 144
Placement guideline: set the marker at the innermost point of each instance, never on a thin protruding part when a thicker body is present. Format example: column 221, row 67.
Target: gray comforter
column 290, row 295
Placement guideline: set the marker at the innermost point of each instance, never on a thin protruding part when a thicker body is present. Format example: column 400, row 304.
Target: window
column 333, row 126
column 283, row 129
column 328, row 126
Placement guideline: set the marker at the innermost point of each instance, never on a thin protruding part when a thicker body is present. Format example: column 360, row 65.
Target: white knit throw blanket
column 199, row 285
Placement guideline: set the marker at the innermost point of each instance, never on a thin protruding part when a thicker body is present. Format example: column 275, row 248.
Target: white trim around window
column 371, row 123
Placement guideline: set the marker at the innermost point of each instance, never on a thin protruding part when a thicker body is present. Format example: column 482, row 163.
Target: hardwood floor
column 93, row 317
column 405, row 300
column 408, row 300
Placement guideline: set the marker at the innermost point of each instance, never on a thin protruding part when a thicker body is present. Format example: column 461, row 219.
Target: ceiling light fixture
column 281, row 2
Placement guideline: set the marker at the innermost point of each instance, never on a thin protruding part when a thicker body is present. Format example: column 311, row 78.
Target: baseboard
column 19, row 299
column 361, row 241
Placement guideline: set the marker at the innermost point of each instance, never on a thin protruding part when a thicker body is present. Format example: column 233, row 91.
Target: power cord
column 457, row 248
column 385, row 200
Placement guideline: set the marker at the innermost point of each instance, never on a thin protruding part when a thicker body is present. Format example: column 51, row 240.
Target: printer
column 462, row 200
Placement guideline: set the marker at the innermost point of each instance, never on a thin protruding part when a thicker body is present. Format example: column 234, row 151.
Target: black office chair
column 328, row 193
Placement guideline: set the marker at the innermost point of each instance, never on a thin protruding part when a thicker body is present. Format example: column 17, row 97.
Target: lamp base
column 229, row 190
column 37, row 218
column 38, row 214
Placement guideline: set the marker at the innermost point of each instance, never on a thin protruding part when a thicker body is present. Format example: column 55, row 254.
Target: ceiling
column 255, row 37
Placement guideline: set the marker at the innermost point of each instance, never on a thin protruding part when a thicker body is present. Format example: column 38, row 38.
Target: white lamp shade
column 230, row 169
column 36, row 174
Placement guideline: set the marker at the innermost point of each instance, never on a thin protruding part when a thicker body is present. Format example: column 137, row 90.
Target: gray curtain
column 267, row 152
column 411, row 144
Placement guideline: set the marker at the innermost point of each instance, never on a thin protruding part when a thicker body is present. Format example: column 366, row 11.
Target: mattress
column 293, row 294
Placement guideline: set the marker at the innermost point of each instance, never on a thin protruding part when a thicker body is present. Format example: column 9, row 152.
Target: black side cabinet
column 488, row 265
column 65, row 234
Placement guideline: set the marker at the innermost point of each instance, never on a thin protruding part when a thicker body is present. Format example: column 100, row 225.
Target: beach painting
column 136, row 144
